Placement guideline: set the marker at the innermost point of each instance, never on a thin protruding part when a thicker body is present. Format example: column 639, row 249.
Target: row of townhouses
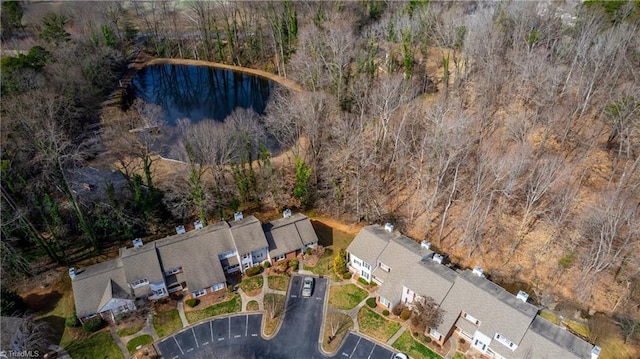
column 199, row 262
column 496, row 323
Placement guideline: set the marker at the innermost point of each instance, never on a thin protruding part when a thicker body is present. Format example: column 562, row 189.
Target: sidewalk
column 395, row 337
column 119, row 343
column 183, row 317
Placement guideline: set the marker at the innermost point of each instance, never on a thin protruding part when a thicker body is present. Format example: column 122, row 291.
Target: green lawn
column 125, row 332
column 138, row 341
column 98, row 346
column 375, row 325
column 459, row 356
column 324, row 266
column 415, row 349
column 63, row 308
column 167, row 322
column 231, row 306
column 250, row 286
column 278, row 282
column 346, row 296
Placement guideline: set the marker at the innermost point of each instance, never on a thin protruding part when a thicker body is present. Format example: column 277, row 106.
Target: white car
column 307, row 286
column 400, row 356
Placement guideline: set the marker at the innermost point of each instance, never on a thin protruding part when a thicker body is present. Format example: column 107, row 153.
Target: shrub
column 427, row 339
column 192, row 302
column 405, row 314
column 293, row 264
column 229, row 289
column 72, row 321
column 363, row 281
column 266, row 264
column 93, row 325
column 252, row 271
column 385, row 312
column 347, row 275
column 398, row 309
column 308, row 251
column 371, row 302
column 461, row 341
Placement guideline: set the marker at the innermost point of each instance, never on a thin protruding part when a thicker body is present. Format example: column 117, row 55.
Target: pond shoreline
column 260, row 73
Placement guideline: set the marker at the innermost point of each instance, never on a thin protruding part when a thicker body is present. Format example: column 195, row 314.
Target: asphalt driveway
column 238, row 337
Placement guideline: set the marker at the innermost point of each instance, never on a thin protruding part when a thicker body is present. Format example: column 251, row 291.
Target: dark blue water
column 199, row 92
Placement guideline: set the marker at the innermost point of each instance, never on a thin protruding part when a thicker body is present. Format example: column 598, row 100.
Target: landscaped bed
column 231, row 306
column 375, row 325
column 346, row 296
column 274, row 309
column 415, row 349
column 140, row 341
column 253, row 306
column 338, row 323
column 99, row 345
column 252, row 286
column 125, row 332
column 278, row 282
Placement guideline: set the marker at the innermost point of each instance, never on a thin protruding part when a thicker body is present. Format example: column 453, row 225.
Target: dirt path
column 264, row 74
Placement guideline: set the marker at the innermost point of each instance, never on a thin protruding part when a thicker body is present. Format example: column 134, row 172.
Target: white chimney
column 180, row 230
column 286, row 213
column 478, row 271
column 437, row 258
column 72, row 273
column 137, row 243
column 238, row 216
column 523, row 296
column 595, row 352
column 198, row 224
column 388, row 227
column 426, row 245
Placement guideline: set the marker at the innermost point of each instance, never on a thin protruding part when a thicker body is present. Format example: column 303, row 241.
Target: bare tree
column 425, row 313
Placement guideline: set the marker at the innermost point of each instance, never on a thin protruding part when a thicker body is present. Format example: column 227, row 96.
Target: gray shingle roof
column 95, row 283
column 139, row 263
column 369, row 243
column 197, row 253
column 546, row 340
column 286, row 235
column 498, row 310
column 248, row 235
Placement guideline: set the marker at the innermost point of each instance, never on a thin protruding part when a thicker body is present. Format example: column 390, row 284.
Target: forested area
column 507, row 134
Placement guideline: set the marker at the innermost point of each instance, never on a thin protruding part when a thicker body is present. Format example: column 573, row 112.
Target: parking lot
column 299, row 336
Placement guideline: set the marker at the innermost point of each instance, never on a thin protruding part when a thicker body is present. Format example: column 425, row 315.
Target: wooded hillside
column 507, row 134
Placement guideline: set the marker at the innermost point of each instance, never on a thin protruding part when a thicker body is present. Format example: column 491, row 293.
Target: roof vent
column 426, row 245
column 72, row 273
column 180, row 230
column 388, row 227
column 438, row 258
column 198, row 224
column 137, row 243
column 478, row 271
column 238, row 216
column 286, row 213
column 595, row 352
column 523, row 296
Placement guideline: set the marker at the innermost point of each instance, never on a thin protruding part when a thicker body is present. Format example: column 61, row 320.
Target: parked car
column 400, row 356
column 307, row 286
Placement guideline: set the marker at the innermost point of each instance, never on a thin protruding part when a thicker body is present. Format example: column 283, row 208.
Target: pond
column 206, row 101
column 198, row 92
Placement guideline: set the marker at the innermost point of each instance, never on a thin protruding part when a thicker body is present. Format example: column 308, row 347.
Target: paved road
column 238, row 337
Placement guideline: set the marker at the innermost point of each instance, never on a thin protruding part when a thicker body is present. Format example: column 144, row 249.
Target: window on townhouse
column 139, row 283
column 385, row 267
column 366, row 265
column 171, row 271
column 280, row 257
column 357, row 262
column 199, row 293
column 470, row 318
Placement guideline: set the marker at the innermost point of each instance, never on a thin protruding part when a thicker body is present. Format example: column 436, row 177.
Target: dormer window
column 385, row 267
column 139, row 283
column 470, row 318
column 171, row 271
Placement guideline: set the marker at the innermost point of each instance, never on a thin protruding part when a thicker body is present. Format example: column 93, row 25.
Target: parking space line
column 356, row 347
column 229, row 327
column 219, row 339
column 372, row 349
column 254, row 335
column 237, row 336
column 391, row 357
column 194, row 337
column 211, row 329
column 294, row 296
column 189, row 350
column 205, row 343
column 246, row 326
column 345, row 354
column 178, row 344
